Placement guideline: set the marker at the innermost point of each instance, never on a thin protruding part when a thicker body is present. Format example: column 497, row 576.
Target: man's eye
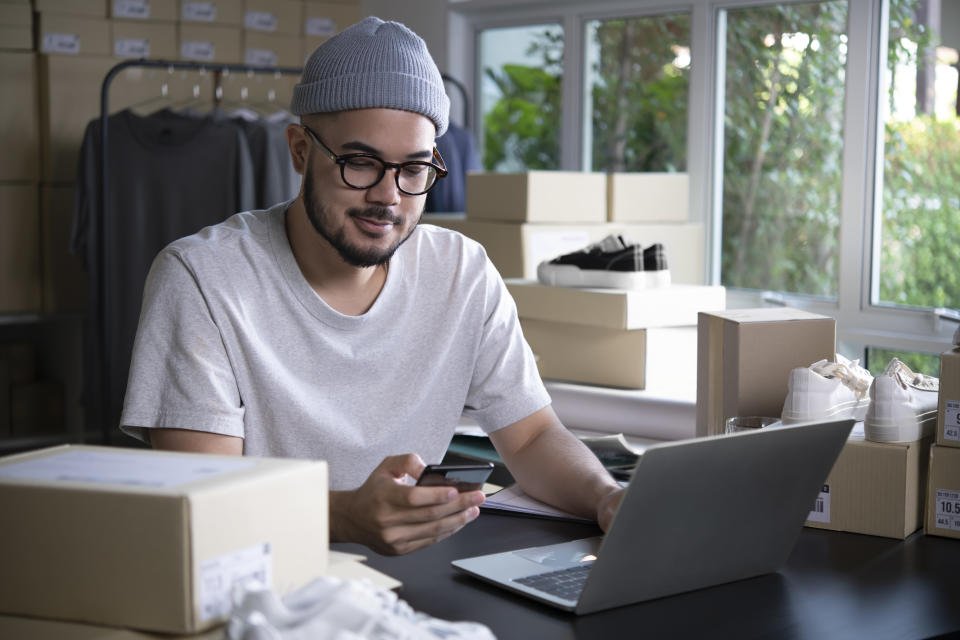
column 414, row 169
column 361, row 163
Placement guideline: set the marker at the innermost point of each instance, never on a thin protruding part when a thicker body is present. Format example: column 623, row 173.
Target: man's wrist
column 339, row 516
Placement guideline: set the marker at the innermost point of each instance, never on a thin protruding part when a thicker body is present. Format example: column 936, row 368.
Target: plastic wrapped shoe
column 827, row 391
column 903, row 405
column 333, row 609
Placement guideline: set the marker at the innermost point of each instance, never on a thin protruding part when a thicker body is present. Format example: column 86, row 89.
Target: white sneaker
column 903, row 405
column 827, row 390
column 332, row 609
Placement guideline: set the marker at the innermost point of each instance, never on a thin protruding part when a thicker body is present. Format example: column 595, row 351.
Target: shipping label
column 260, row 58
column 948, row 509
column 68, row 43
column 197, row 50
column 821, row 507
column 951, row 420
column 133, row 9
column 199, row 11
column 324, row 27
column 131, row 48
column 260, row 21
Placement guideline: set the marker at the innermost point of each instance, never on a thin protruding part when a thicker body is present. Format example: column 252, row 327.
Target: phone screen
column 465, row 477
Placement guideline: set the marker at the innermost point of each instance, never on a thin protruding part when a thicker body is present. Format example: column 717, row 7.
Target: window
column 520, row 98
column 638, row 79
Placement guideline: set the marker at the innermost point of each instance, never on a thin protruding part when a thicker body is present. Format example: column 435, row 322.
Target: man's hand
column 392, row 517
column 607, row 508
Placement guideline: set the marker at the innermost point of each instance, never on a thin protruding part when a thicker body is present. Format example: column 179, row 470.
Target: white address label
column 260, row 21
column 131, row 48
column 134, row 9
column 197, row 50
column 948, row 509
column 260, row 58
column 199, row 11
column 951, row 420
column 821, row 506
column 218, row 575
column 61, row 43
column 324, row 27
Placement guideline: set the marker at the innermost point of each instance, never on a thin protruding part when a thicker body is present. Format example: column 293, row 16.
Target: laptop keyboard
column 565, row 583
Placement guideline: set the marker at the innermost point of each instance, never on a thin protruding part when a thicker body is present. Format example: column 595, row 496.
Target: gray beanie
column 373, row 64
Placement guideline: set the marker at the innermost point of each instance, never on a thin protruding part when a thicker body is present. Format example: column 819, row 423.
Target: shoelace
column 851, row 374
column 907, row 378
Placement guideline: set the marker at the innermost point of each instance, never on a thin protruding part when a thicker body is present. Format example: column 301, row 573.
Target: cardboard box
column 209, row 43
column 37, row 409
column 874, row 488
column 943, row 493
column 38, row 629
column 21, row 285
column 648, row 197
column 19, row 123
column 64, row 278
column 214, row 12
column 625, row 358
column 324, row 19
column 744, row 359
column 270, row 49
column 273, row 16
column 537, row 196
column 673, row 306
column 143, row 39
column 154, row 540
column 948, row 413
column 73, row 35
column 145, row 10
column 16, row 27
column 91, row 8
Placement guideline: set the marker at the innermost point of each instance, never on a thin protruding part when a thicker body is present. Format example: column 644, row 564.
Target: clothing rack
column 462, row 90
column 218, row 70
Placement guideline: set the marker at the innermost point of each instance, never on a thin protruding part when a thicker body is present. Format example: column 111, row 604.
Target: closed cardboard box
column 16, row 27
column 145, row 10
column 154, row 540
column 875, row 488
column 673, row 306
column 943, row 492
column 20, row 279
column 270, row 49
column 948, row 414
column 537, row 196
column 19, row 122
column 64, row 278
column 71, row 35
column 217, row 12
column 205, row 43
column 648, row 197
column 624, row 358
column 744, row 359
column 91, row 8
column 273, row 16
column 143, row 39
column 324, row 19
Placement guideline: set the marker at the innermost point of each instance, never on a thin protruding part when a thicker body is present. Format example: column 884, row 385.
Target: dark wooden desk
column 835, row 585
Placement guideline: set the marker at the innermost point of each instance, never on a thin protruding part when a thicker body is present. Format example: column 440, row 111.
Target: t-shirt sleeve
column 506, row 386
column 180, row 374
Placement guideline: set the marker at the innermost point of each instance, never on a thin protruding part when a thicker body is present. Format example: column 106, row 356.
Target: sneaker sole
column 857, row 411
column 565, row 275
column 884, row 430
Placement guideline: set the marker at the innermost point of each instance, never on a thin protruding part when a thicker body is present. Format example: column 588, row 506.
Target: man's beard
column 320, row 218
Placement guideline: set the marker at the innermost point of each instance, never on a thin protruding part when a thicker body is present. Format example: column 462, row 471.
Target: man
column 334, row 327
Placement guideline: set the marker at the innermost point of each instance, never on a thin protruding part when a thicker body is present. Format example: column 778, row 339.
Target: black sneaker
column 611, row 263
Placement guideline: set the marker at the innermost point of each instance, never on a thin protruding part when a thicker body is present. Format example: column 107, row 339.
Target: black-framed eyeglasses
column 365, row 170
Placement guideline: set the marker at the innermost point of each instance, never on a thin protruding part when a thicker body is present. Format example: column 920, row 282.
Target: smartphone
column 465, row 477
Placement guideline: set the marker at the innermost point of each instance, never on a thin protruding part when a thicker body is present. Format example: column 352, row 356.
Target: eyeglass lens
column 364, row 172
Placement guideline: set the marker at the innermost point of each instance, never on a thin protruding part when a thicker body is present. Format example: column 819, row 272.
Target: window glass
column 638, row 78
column 919, row 216
column 520, row 97
column 925, row 363
column 783, row 144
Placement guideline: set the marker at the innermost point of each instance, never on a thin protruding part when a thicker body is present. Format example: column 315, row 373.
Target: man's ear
column 299, row 147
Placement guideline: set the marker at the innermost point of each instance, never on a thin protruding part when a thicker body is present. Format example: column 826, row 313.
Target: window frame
column 860, row 322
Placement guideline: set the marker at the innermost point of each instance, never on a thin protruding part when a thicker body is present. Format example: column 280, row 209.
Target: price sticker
column 951, row 420
column 948, row 509
column 821, row 506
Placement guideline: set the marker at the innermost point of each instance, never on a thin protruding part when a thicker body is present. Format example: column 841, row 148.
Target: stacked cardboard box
column 323, row 19
column 943, row 480
column 16, row 25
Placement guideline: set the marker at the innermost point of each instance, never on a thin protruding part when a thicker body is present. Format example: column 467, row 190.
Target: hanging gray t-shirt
column 233, row 340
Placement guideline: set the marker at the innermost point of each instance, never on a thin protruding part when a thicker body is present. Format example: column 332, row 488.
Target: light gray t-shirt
column 233, row 340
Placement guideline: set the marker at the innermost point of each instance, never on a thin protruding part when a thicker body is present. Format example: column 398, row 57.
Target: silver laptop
column 697, row 513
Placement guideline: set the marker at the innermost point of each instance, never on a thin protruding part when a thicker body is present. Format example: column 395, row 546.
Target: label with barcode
column 61, row 43
column 324, row 27
column 199, row 11
column 131, row 48
column 948, row 509
column 260, row 58
column 260, row 21
column 821, row 506
column 252, row 566
column 951, row 420
column 135, row 9
column 197, row 50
